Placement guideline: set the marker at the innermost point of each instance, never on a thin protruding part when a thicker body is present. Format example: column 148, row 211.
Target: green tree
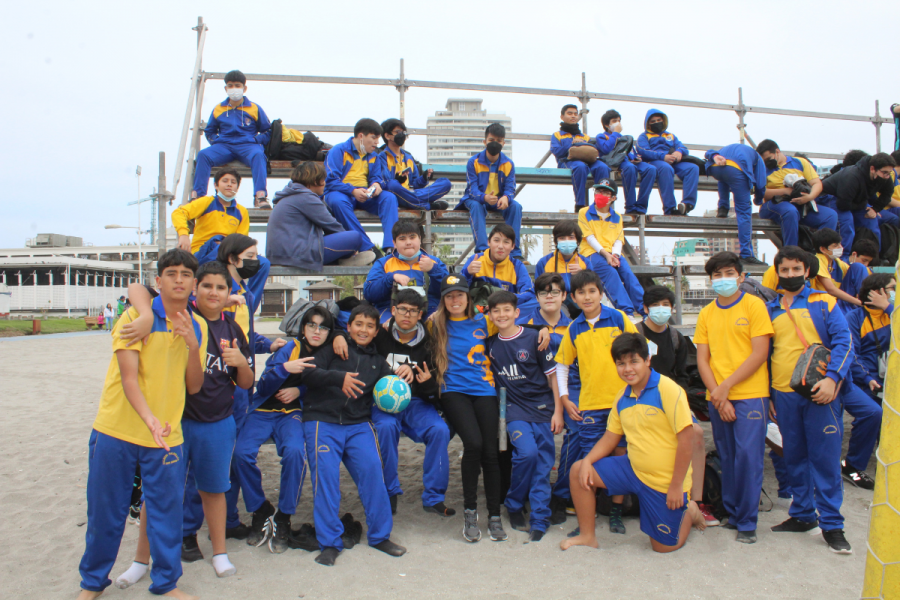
column 348, row 282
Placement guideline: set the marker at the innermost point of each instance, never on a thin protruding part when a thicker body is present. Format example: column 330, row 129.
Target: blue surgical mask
column 727, row 286
column 567, row 247
column 660, row 314
column 410, row 259
column 891, row 295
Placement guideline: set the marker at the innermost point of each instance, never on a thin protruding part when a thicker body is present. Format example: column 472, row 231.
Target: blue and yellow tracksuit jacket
column 483, row 177
column 275, row 374
column 561, row 142
column 211, row 217
column 246, row 124
column 346, row 170
column 379, row 284
column 556, row 263
column 655, row 146
column 748, row 161
column 510, row 274
column 830, row 324
column 865, row 326
column 606, row 231
column 390, row 165
column 606, row 141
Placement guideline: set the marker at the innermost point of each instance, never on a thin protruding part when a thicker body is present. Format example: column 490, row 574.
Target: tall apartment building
column 461, row 114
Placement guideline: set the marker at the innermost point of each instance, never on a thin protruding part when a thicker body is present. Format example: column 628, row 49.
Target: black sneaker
column 615, row 522
column 795, row 525
column 837, row 542
column 281, row 528
column 440, row 205
column 684, row 209
column 746, row 537
column 722, row 213
column 262, row 203
column 327, row 556
column 859, row 479
column 517, row 521
column 190, row 551
column 379, row 253
column 752, row 261
column 470, row 528
column 262, row 526
column 535, row 536
column 237, row 533
column 557, row 510
column 577, row 208
column 495, row 528
column 439, row 509
column 393, row 500
column 390, row 548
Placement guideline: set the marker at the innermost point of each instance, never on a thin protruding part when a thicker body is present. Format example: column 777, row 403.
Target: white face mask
column 224, row 196
column 837, row 252
column 235, row 94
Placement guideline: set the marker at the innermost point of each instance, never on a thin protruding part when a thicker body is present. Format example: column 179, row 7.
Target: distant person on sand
column 109, row 317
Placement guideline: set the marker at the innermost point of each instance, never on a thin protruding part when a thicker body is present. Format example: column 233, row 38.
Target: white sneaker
column 360, row 259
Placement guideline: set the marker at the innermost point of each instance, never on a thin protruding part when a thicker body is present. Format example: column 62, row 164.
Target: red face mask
column 602, row 200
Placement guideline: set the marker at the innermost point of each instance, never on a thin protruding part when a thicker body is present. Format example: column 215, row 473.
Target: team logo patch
column 754, row 415
column 588, row 420
column 232, row 222
column 650, row 412
column 614, row 333
column 742, row 322
column 663, row 528
column 323, row 448
column 298, row 417
column 478, row 334
column 522, row 355
column 452, row 280
column 830, row 429
column 515, row 435
column 170, row 458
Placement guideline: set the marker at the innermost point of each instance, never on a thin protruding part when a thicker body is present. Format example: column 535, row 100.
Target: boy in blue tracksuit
column 787, row 214
column 237, row 130
column 351, row 171
column 740, row 170
column 406, row 266
column 400, row 173
column 534, row 412
column 565, row 260
column 497, row 267
column 811, row 429
column 551, row 294
column 629, row 168
column 664, row 151
column 561, row 142
column 337, row 424
column 491, row 186
column 862, row 254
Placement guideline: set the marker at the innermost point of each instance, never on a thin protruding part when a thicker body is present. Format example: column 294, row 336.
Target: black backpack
column 755, row 288
column 890, row 239
column 712, row 486
column 312, row 148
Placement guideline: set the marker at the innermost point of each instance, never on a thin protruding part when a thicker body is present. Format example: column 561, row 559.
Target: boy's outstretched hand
column 158, row 431
column 674, row 497
column 137, row 330
column 405, row 373
column 299, row 365
column 423, row 376
column 352, row 387
column 232, row 355
column 183, row 325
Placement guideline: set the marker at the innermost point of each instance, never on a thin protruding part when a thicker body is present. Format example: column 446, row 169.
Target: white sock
column 223, row 566
column 134, row 574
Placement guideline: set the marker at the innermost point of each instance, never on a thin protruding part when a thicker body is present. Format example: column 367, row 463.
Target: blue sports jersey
column 468, row 367
column 556, row 335
column 522, row 369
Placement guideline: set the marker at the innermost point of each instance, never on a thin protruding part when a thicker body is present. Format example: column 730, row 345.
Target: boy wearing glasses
column 407, row 346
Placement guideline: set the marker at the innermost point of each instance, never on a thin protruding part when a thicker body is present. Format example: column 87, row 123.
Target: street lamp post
column 140, row 247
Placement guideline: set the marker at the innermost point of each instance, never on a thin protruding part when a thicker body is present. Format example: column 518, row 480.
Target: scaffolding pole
column 196, row 78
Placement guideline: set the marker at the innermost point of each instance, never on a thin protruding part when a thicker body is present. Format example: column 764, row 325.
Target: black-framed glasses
column 408, row 312
column 317, row 327
column 551, row 293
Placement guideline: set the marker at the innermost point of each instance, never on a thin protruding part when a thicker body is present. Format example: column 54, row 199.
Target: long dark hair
column 327, row 321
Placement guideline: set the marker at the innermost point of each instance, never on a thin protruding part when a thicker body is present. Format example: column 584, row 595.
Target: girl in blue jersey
column 469, row 400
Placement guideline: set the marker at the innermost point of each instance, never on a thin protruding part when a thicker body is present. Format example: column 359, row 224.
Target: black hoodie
column 325, row 401
column 416, row 352
column 855, row 190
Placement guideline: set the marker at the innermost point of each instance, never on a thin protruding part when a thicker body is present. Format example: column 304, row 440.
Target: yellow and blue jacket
column 509, row 274
column 379, row 286
column 482, row 176
column 830, row 325
column 211, row 217
column 655, row 146
column 246, row 124
column 746, row 160
column 561, row 142
column 869, row 328
column 556, row 263
column 607, row 231
column 390, row 165
column 794, row 165
column 346, row 170
column 275, row 376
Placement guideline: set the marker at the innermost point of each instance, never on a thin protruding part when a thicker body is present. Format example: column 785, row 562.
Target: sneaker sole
column 469, row 539
column 856, row 483
column 266, row 533
column 847, row 551
column 497, row 539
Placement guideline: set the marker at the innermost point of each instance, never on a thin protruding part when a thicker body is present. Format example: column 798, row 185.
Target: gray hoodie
column 297, row 225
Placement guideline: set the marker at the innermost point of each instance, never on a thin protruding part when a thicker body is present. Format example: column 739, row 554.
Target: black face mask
column 250, row 268
column 658, row 127
column 494, row 148
column 572, row 128
column 792, row 284
column 400, row 138
column 771, row 163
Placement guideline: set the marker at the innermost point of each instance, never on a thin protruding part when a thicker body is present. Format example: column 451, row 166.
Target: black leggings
column 476, row 420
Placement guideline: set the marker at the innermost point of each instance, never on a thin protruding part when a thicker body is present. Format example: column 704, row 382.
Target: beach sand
column 50, row 391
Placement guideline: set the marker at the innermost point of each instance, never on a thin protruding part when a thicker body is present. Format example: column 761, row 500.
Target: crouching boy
column 337, row 411
column 653, row 413
column 534, row 412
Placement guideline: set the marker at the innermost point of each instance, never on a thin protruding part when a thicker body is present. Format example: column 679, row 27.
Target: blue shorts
column 592, row 427
column 657, row 521
column 208, row 448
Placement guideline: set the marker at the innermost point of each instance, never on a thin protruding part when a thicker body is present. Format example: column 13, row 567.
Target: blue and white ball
column 392, row 394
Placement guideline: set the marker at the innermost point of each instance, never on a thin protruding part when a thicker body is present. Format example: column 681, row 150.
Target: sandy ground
column 49, row 395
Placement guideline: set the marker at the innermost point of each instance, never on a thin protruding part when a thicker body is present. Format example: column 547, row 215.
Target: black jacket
column 855, row 190
column 324, row 400
column 420, row 350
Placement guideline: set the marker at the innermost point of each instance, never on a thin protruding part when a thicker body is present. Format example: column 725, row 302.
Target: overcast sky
column 95, row 88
